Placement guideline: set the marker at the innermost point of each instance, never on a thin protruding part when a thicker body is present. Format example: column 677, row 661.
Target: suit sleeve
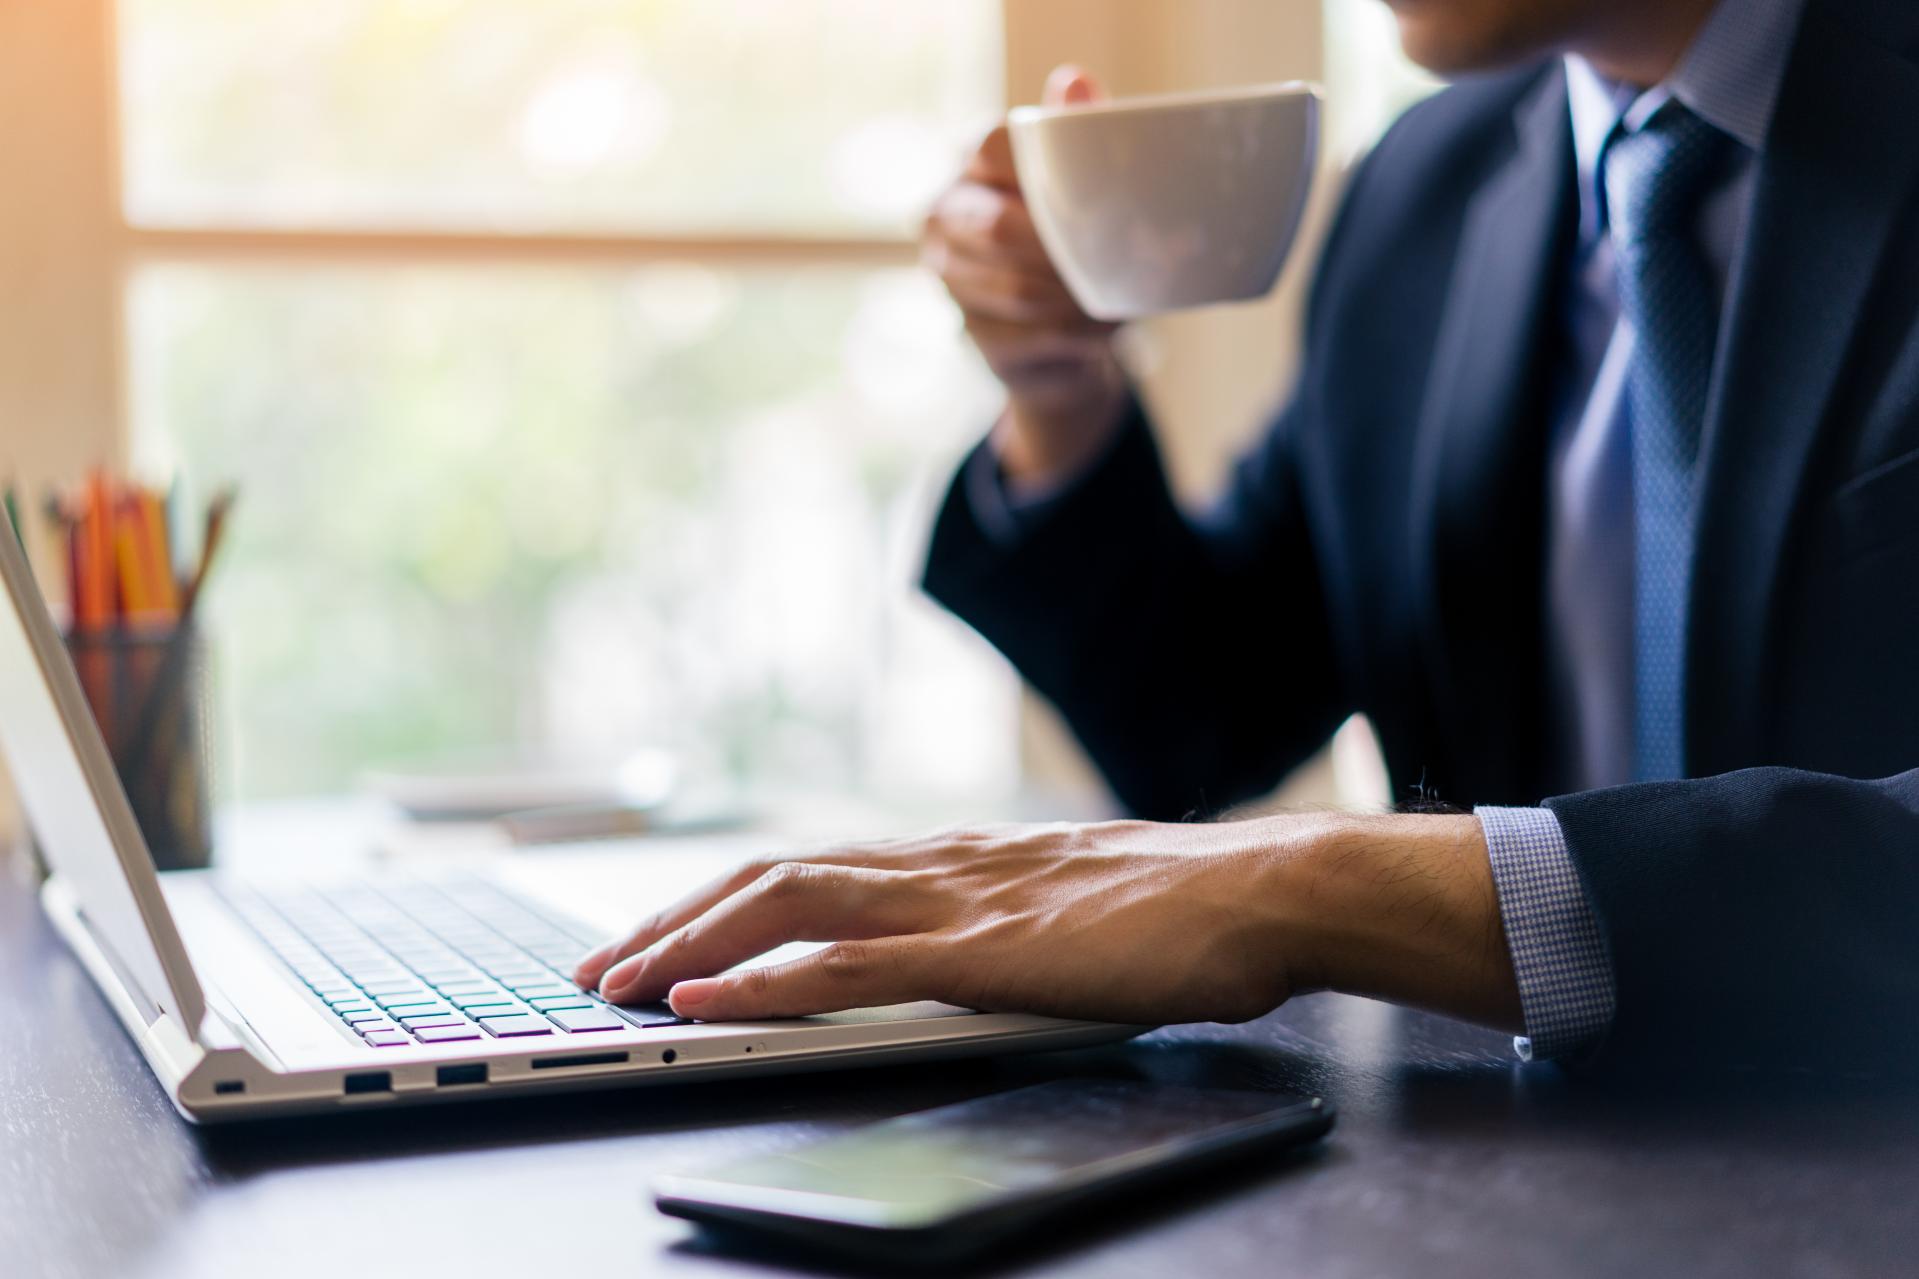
column 1767, row 918
column 1190, row 653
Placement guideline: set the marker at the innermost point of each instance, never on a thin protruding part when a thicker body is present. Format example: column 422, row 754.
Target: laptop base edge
column 217, row 1085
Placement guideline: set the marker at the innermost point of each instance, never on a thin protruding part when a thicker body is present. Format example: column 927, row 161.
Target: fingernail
column 689, row 994
column 621, row 976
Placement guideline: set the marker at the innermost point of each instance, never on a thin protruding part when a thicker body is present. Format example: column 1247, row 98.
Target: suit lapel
column 1837, row 167
column 1478, row 500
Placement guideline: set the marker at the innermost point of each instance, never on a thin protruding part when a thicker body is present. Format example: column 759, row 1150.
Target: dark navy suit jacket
column 1380, row 551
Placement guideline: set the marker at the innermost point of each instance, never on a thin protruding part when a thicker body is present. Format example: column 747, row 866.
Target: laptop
column 255, row 999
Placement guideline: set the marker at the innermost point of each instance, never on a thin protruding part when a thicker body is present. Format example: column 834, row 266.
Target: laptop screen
column 74, row 802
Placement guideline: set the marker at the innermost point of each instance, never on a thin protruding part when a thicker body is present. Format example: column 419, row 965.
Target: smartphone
column 945, row 1185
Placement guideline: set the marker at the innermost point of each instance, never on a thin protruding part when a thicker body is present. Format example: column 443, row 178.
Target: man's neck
column 1639, row 42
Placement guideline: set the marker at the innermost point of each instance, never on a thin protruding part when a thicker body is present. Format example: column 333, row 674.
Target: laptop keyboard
column 436, row 962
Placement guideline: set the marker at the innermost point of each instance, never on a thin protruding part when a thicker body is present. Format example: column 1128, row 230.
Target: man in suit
column 1600, row 487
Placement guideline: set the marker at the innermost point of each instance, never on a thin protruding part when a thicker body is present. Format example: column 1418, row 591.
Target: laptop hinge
column 144, row 1004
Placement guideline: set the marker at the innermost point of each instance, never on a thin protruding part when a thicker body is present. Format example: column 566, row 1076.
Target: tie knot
column 1656, row 173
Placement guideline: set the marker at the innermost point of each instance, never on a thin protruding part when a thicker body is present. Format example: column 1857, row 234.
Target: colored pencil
column 156, row 554
column 136, row 592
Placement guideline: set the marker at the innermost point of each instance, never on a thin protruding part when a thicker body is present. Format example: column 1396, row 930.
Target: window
column 818, row 116
column 576, row 373
column 1370, row 79
column 571, row 352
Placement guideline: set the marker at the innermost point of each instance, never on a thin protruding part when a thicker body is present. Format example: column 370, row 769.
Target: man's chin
column 1454, row 37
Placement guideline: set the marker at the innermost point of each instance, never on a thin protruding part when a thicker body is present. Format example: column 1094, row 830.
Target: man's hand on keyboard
column 1122, row 921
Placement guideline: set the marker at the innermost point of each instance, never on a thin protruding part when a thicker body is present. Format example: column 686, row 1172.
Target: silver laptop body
column 232, row 991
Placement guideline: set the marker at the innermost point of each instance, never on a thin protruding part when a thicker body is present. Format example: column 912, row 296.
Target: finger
column 590, row 969
column 796, row 901
column 849, row 974
column 994, row 291
column 992, row 161
column 903, row 853
column 1019, row 348
column 988, row 222
column 1071, row 85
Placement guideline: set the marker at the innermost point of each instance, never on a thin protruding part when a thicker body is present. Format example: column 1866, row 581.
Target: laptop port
column 579, row 1059
column 227, row 1087
column 447, row 1076
column 369, row 1081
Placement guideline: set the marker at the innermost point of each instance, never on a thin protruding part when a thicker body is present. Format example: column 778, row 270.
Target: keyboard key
column 552, row 1003
column 361, row 1017
column 393, row 987
column 468, row 989
column 407, row 997
column 542, row 990
column 354, row 1005
column 447, row 1018
column 375, row 1027
column 429, row 1004
column 484, row 997
column 511, row 1027
column 637, row 1013
column 650, row 1016
column 388, row 1039
column 485, row 1011
column 584, row 1019
column 445, row 1034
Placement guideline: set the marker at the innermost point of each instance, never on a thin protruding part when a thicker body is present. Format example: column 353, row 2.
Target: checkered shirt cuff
column 1566, row 989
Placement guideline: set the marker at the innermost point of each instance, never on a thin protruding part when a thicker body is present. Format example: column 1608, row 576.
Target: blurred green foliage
column 442, row 469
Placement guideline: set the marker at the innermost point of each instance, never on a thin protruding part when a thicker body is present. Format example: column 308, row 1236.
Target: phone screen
column 927, row 1167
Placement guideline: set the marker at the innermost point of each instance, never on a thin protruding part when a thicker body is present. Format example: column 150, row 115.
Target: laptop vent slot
column 580, row 1059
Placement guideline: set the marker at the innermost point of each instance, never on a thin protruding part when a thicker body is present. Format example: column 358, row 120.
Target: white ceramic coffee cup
column 1163, row 203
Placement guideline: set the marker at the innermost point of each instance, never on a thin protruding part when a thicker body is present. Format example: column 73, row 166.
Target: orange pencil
column 136, row 594
column 157, row 554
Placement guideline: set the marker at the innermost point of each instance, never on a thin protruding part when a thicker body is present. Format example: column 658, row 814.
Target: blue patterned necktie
column 1655, row 176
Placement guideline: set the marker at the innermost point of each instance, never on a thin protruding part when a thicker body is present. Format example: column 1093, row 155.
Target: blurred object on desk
column 485, row 785
column 569, row 823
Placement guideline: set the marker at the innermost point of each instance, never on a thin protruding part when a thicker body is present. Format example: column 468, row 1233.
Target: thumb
column 1072, row 85
column 848, row 974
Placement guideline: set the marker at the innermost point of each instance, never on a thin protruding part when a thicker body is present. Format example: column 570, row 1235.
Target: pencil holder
column 147, row 688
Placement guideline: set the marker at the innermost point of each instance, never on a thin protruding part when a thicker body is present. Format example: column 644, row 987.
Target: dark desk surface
column 1449, row 1159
